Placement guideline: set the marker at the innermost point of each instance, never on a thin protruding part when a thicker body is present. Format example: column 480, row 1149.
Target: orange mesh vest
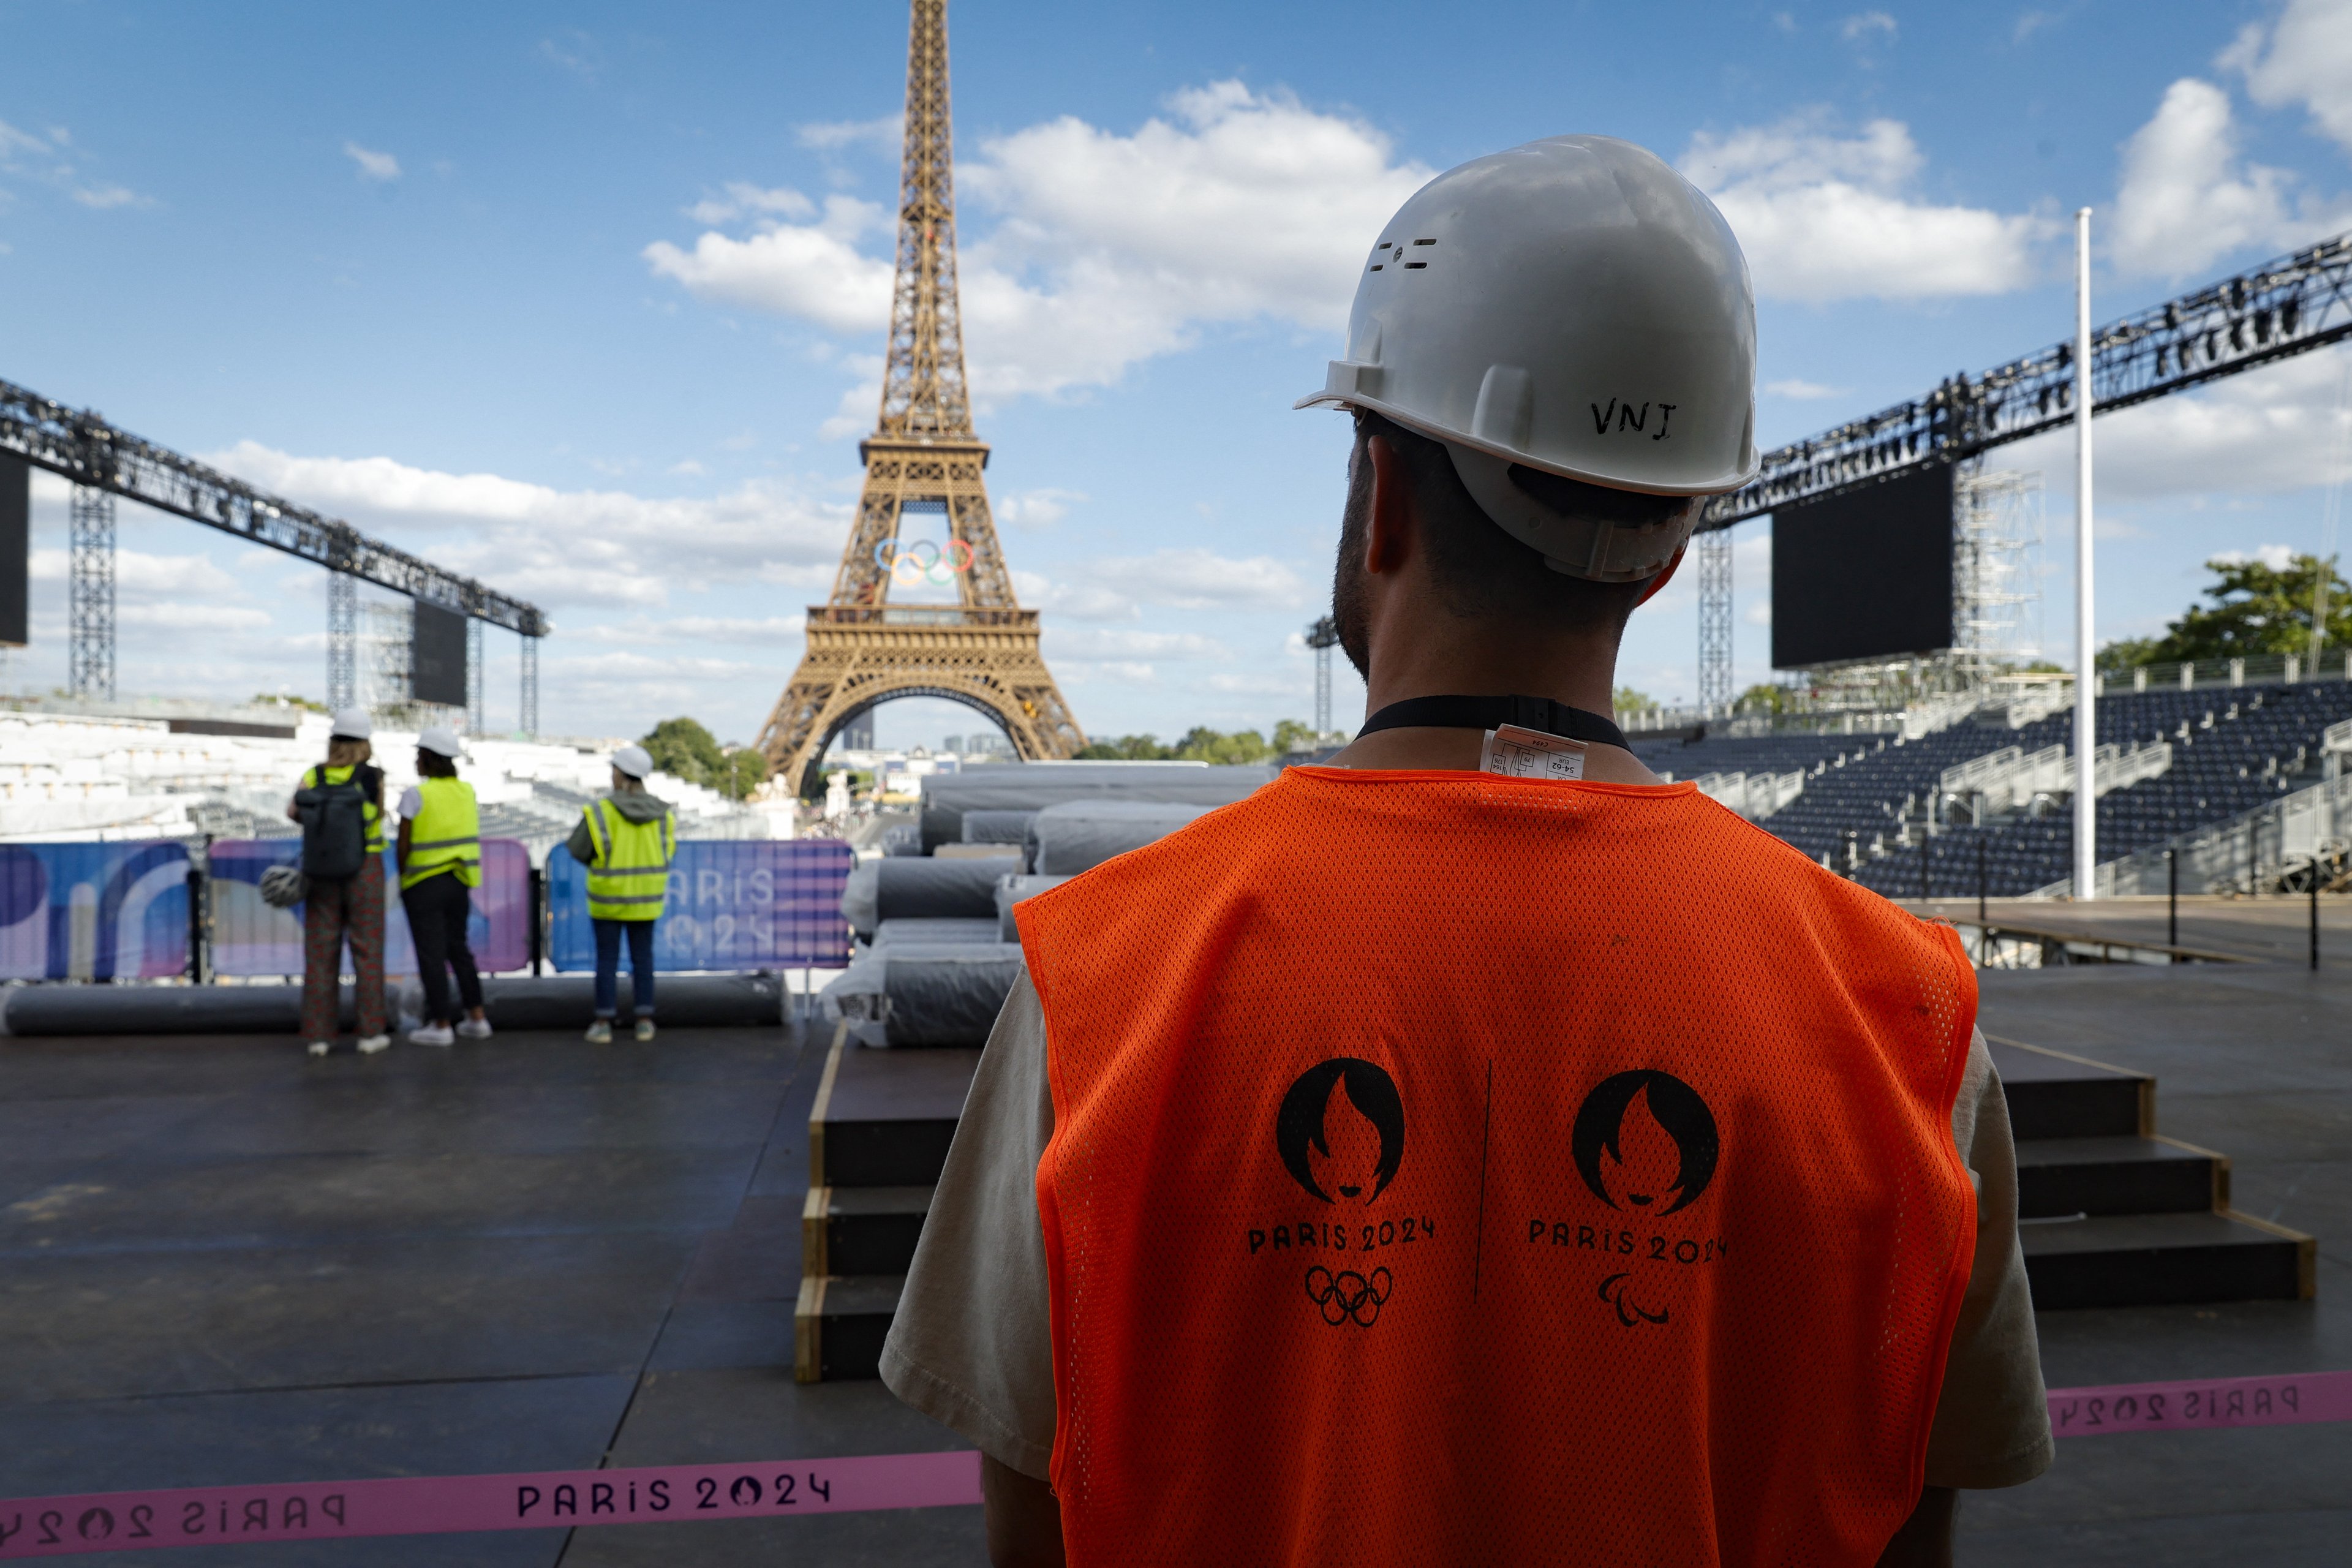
column 1448, row 1169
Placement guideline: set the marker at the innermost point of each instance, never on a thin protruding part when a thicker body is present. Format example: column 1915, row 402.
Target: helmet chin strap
column 1662, row 578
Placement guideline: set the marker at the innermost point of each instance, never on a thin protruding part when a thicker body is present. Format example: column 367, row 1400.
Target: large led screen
column 15, row 549
column 437, row 656
column 1866, row 574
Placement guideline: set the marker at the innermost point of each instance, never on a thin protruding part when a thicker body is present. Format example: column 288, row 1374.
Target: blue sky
column 587, row 301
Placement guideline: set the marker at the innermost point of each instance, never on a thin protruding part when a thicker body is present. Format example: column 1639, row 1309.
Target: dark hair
column 1480, row 571
column 432, row 764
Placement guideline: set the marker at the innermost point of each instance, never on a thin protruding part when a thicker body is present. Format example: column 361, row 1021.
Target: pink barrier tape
column 2290, row 1399
column 433, row 1505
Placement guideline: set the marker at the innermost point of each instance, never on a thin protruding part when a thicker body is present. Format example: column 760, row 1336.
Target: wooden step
column 2062, row 1176
column 862, row 1230
column 2166, row 1260
column 884, row 1118
column 839, row 1325
column 2055, row 1095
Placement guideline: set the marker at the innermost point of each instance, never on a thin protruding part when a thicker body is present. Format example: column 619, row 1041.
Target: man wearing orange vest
column 1476, row 1151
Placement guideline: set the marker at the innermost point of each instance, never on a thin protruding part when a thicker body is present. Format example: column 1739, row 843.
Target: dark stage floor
column 223, row 1263
column 220, row 1262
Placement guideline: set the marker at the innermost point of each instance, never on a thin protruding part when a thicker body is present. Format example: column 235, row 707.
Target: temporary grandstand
column 1974, row 796
column 84, row 775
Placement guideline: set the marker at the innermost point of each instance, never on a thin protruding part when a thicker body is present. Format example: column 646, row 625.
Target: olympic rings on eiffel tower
column 907, row 568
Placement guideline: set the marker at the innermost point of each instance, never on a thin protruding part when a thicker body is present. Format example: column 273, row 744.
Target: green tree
column 1766, row 695
column 1290, row 736
column 746, row 770
column 1125, row 749
column 2254, row 610
column 1203, row 744
column 1625, row 700
column 683, row 749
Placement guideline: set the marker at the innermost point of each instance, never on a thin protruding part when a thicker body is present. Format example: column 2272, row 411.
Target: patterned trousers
column 336, row 912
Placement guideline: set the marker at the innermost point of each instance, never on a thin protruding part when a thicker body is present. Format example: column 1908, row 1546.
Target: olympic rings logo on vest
column 944, row 566
column 1646, row 1144
column 1340, row 1133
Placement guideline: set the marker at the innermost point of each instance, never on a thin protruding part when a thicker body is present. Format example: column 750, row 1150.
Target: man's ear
column 1389, row 530
column 1662, row 578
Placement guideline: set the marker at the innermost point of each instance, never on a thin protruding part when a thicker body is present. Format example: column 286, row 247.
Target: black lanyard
column 1539, row 714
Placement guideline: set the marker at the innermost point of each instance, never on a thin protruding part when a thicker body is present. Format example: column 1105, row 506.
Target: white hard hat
column 634, row 761
column 352, row 725
column 441, row 741
column 1574, row 306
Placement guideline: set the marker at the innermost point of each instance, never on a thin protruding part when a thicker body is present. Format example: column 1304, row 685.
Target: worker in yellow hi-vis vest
column 440, row 866
column 626, row 840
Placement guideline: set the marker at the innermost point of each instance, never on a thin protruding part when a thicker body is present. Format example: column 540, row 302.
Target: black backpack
column 334, row 823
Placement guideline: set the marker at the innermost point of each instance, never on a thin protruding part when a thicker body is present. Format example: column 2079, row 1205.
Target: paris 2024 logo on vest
column 1646, row 1145
column 1341, row 1134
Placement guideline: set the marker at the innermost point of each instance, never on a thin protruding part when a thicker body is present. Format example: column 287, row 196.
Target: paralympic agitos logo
column 1646, row 1145
column 1340, row 1131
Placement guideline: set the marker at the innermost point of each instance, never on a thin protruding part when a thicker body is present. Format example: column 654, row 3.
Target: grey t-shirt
column 972, row 1345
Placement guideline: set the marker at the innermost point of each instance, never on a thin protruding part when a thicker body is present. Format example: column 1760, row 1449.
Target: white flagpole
column 2086, row 722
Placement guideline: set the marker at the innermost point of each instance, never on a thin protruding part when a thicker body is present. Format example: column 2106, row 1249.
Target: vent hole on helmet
column 1415, row 266
column 1424, row 242
column 1376, row 267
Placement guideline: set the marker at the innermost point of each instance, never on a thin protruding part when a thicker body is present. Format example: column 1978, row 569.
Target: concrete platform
column 224, row 1262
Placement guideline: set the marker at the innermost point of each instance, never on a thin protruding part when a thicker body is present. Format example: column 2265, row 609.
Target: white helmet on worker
column 1576, row 307
column 441, row 741
column 634, row 761
column 352, row 725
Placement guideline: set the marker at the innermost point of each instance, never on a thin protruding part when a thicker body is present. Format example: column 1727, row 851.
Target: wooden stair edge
column 2221, row 1167
column 2147, row 1081
column 814, row 1232
column 808, row 1331
column 824, row 1102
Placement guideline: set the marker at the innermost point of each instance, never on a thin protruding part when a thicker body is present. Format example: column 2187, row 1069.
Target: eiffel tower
column 924, row 456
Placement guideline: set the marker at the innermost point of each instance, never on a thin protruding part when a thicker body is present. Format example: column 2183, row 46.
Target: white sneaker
column 431, row 1035
column 474, row 1028
column 600, row 1033
column 370, row 1044
column 646, row 1025
column 321, row 1047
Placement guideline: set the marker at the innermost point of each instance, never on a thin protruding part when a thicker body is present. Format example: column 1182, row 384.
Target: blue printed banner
column 250, row 937
column 734, row 903
column 93, row 911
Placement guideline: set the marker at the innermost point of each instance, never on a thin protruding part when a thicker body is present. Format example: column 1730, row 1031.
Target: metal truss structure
column 923, row 457
column 342, row 641
column 100, row 458
column 89, row 657
column 2274, row 312
column 1715, row 617
column 476, row 715
column 1323, row 637
column 527, row 697
column 1996, row 540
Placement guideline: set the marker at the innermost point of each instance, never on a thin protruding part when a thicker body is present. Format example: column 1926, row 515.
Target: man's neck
column 1579, row 676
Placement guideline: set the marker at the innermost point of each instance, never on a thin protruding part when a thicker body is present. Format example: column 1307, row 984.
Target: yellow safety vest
column 374, row 813
column 629, row 876
column 448, row 832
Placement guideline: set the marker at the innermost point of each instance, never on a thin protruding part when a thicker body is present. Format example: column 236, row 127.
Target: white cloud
column 562, row 546
column 1200, row 580
column 744, row 199
column 2032, row 22
column 812, row 270
column 1108, row 248
column 2186, row 197
column 1802, row 391
column 763, row 631
column 2304, row 56
column 885, row 132
column 139, row 573
column 182, row 616
column 1824, row 216
column 1082, row 601
column 1868, row 26
column 105, row 197
column 372, row 165
column 1040, row 508
column 1103, row 642
column 1084, row 672
column 13, row 142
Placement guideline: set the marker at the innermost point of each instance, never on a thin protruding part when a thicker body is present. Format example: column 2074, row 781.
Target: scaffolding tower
column 1322, row 637
column 1996, row 561
column 1714, row 619
column 342, row 641
column 89, row 655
